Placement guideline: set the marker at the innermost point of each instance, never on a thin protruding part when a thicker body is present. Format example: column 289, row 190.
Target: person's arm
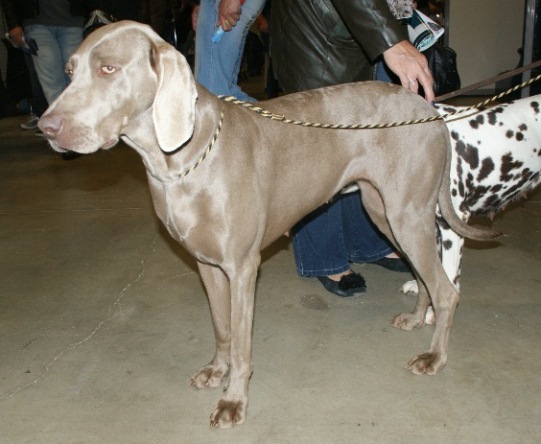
column 13, row 20
column 371, row 23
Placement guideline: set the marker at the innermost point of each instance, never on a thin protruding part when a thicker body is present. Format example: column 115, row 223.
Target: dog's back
column 496, row 155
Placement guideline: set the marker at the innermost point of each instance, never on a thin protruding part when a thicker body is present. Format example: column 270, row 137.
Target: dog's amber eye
column 108, row 70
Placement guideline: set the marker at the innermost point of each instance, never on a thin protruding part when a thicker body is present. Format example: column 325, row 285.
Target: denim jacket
column 317, row 43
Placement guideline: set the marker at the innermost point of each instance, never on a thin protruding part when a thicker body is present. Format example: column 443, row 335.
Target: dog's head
column 120, row 72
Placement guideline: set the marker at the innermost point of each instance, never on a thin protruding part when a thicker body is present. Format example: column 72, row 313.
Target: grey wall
column 486, row 35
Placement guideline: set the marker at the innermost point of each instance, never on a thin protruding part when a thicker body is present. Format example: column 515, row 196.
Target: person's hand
column 17, row 35
column 411, row 67
column 229, row 13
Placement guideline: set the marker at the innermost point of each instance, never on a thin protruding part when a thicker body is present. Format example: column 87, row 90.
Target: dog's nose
column 50, row 125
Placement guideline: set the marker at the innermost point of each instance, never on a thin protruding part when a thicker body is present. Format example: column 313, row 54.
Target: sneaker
column 31, row 123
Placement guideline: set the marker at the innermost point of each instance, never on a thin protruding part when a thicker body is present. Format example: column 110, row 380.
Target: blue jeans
column 55, row 46
column 327, row 240
column 217, row 65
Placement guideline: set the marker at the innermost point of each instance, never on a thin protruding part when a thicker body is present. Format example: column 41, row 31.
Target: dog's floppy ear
column 174, row 105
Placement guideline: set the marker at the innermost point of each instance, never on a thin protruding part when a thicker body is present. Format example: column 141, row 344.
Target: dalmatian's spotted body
column 496, row 159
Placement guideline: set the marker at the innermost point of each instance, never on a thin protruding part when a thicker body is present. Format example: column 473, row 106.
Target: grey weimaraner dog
column 256, row 177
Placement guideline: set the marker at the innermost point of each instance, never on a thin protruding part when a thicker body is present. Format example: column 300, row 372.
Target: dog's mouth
column 68, row 134
column 56, row 147
column 86, row 150
column 109, row 144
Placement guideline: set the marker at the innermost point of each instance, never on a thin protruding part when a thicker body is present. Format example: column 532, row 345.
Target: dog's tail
column 449, row 214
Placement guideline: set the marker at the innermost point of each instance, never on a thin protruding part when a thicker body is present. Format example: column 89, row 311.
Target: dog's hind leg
column 436, row 287
column 415, row 318
column 444, row 301
column 217, row 287
column 375, row 208
column 410, row 225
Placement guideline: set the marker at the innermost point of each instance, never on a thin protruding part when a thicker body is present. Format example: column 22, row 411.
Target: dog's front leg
column 218, row 292
column 231, row 409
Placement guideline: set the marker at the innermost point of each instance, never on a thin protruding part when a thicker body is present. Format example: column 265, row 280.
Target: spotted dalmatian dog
column 496, row 159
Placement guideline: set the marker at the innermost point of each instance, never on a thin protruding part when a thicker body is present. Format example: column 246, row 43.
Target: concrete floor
column 103, row 320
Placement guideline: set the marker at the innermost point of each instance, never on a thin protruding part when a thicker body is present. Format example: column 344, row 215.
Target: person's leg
column 328, row 239
column 48, row 62
column 318, row 244
column 364, row 242
column 217, row 65
column 38, row 103
column 55, row 47
column 320, row 250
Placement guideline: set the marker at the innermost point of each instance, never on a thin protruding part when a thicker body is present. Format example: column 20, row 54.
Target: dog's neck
column 171, row 167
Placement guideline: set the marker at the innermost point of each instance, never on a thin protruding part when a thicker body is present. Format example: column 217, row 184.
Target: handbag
column 442, row 64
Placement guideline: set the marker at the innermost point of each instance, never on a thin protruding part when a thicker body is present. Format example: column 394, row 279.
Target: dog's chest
column 172, row 207
column 496, row 157
column 187, row 214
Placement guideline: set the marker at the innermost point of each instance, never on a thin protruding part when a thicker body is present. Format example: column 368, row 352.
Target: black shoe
column 348, row 286
column 69, row 155
column 398, row 264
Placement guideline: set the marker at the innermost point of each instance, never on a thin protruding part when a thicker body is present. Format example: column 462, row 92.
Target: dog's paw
column 210, row 376
column 407, row 321
column 410, row 287
column 428, row 363
column 228, row 413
